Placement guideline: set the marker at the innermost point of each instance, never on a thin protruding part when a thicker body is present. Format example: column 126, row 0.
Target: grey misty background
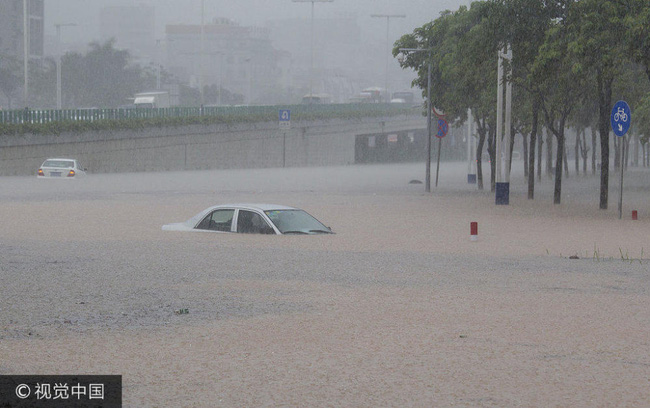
column 271, row 62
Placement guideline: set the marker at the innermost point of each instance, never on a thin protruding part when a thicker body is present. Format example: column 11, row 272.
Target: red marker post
column 473, row 231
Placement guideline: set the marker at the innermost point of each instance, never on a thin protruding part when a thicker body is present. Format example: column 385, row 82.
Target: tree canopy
column 567, row 54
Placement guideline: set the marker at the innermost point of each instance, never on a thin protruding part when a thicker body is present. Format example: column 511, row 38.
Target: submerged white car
column 252, row 219
column 61, row 168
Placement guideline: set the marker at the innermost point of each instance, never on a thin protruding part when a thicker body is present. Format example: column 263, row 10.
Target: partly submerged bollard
column 635, row 215
column 473, row 231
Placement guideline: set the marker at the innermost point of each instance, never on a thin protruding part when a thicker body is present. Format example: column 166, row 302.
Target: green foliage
column 637, row 22
column 234, row 117
column 642, row 118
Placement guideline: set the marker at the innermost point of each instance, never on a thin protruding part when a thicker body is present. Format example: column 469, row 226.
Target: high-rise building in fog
column 132, row 27
column 12, row 36
column 342, row 64
column 240, row 59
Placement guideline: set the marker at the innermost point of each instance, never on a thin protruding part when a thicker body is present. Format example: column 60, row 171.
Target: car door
column 218, row 220
column 250, row 222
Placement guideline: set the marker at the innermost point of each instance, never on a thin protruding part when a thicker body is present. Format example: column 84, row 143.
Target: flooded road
column 399, row 308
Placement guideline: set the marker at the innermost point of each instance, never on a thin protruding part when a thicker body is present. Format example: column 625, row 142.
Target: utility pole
column 26, row 50
column 202, row 57
column 58, row 62
column 311, row 67
column 503, row 184
column 387, row 17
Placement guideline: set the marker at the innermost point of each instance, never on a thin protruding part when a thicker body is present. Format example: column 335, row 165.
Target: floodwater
column 399, row 308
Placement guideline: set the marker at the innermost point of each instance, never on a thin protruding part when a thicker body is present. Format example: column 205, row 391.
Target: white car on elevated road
column 61, row 169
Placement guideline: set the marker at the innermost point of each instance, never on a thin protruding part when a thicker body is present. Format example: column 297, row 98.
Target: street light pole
column 311, row 67
column 158, row 63
column 201, row 57
column 26, row 51
column 58, row 62
column 427, row 186
column 503, row 184
column 387, row 17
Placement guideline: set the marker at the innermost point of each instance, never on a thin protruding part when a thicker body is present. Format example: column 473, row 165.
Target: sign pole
column 284, row 149
column 438, row 164
column 443, row 128
column 620, row 198
column 620, row 119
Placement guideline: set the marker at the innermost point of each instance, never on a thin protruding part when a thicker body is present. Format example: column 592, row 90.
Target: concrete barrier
column 244, row 145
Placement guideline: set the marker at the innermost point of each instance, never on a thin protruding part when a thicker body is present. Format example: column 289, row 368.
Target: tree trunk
column 617, row 153
column 626, row 152
column 549, row 154
column 492, row 154
column 557, row 193
column 540, row 143
column 577, row 152
column 512, row 148
column 584, row 151
column 604, row 107
column 533, row 141
column 593, row 150
column 525, row 155
column 479, row 158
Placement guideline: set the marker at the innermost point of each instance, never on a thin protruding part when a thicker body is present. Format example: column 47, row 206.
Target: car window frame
column 268, row 222
column 209, row 215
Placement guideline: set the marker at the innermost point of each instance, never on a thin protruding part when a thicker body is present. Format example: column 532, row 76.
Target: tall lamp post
column 503, row 184
column 58, row 62
column 387, row 17
column 26, row 50
column 311, row 66
column 427, row 184
column 202, row 57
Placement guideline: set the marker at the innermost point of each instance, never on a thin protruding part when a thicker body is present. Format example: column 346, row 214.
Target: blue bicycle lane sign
column 620, row 118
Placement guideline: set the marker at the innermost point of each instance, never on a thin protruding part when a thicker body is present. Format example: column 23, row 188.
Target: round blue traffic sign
column 621, row 118
column 443, row 128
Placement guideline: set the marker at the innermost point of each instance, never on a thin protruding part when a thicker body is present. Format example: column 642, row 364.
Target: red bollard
column 635, row 216
column 473, row 231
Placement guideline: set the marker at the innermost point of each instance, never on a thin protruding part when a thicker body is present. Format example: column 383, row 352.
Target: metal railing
column 21, row 116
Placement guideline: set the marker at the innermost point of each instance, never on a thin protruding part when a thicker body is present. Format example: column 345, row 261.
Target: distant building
column 345, row 62
column 12, row 34
column 239, row 59
column 340, row 61
column 133, row 28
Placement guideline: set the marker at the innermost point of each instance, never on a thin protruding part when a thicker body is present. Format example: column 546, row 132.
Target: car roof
column 60, row 158
column 259, row 206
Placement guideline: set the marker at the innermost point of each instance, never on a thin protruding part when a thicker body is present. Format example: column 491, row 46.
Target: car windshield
column 59, row 163
column 296, row 222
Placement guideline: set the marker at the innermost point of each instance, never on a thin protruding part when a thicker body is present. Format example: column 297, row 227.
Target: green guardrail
column 44, row 116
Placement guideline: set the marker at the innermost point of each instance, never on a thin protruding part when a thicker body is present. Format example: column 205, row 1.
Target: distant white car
column 61, row 168
column 252, row 219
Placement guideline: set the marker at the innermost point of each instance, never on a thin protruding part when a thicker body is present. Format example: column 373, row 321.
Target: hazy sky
column 85, row 13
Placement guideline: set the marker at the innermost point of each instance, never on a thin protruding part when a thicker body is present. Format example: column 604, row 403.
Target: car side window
column 218, row 220
column 249, row 222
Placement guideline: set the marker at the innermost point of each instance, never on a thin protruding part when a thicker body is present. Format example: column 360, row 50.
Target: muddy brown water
column 399, row 308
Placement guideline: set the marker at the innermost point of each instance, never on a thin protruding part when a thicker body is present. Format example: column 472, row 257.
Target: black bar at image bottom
column 54, row 391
